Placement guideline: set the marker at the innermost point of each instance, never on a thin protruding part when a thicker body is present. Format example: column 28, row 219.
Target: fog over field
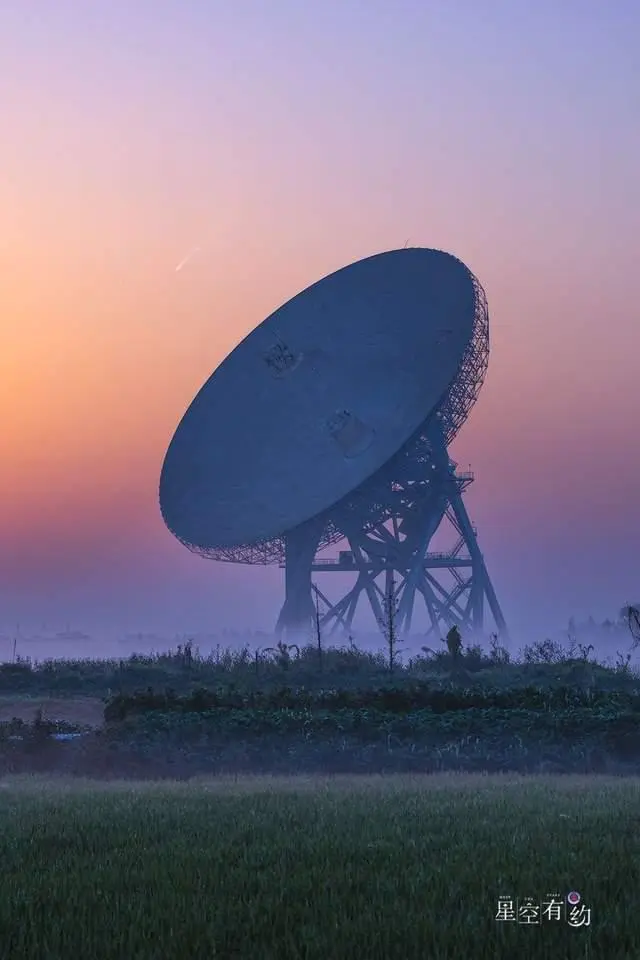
column 70, row 642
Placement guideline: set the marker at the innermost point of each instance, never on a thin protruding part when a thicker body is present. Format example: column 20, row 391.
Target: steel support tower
column 396, row 551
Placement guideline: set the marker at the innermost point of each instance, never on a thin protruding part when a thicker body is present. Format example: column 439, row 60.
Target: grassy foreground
column 326, row 868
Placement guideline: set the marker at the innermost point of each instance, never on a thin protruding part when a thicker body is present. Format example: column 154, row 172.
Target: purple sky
column 286, row 139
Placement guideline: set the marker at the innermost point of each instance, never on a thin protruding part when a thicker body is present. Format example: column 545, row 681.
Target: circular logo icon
column 573, row 897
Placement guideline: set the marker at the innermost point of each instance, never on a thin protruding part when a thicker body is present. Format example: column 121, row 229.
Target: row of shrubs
column 418, row 696
column 346, row 667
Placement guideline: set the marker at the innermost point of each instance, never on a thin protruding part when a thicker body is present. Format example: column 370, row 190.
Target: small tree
column 454, row 643
column 389, row 622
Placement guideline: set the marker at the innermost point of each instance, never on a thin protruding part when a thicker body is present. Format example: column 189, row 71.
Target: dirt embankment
column 87, row 711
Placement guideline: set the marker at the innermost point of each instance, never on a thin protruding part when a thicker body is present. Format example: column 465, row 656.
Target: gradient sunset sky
column 284, row 139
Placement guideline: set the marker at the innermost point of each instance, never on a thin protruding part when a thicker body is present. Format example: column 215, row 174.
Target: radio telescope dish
column 307, row 431
column 317, row 398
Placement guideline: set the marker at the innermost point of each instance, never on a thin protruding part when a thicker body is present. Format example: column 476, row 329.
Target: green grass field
column 271, row 869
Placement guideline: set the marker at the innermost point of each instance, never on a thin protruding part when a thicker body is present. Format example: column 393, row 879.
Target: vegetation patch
column 270, row 868
column 336, row 710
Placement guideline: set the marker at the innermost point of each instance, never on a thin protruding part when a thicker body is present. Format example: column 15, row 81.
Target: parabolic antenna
column 308, row 429
column 317, row 398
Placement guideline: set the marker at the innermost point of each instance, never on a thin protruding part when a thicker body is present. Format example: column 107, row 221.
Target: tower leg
column 297, row 615
column 482, row 586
